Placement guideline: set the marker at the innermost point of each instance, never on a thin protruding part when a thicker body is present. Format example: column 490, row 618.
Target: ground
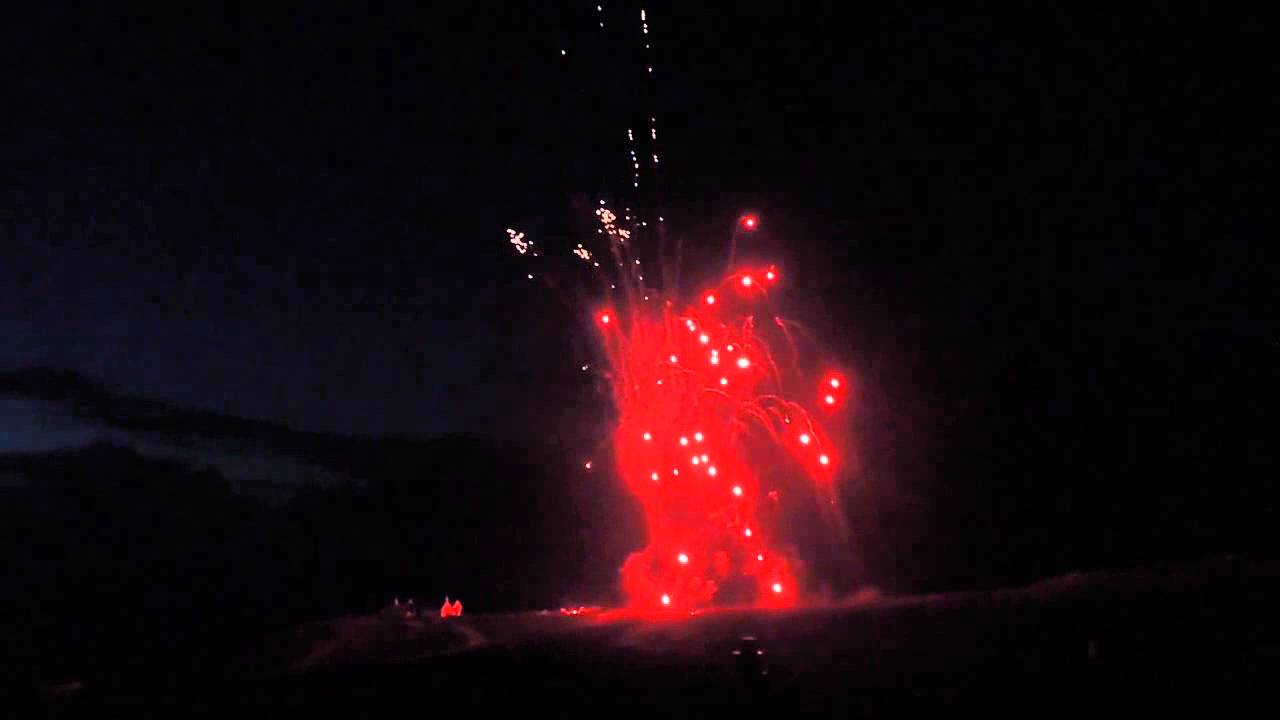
column 1172, row 639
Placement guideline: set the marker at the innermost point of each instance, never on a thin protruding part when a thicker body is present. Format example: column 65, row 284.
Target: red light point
column 605, row 318
column 682, row 559
column 771, row 275
column 749, row 222
column 804, row 438
column 824, row 459
column 666, row 599
column 711, row 299
column 777, row 587
column 830, row 399
column 835, row 382
column 746, row 281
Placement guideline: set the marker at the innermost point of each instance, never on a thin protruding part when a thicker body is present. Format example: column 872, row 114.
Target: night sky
column 1037, row 239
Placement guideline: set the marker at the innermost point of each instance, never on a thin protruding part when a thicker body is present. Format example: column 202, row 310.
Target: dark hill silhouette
column 125, row 563
column 94, row 401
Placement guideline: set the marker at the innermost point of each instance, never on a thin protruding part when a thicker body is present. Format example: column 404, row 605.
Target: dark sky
column 1039, row 237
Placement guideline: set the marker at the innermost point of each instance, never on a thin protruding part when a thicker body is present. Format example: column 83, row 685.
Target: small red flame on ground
column 448, row 610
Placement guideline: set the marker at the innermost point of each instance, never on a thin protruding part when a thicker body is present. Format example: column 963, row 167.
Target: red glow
column 748, row 222
column 834, row 382
column 448, row 610
column 605, row 318
column 705, row 528
column 830, row 399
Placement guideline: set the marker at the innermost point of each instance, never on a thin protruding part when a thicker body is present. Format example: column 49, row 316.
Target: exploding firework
column 710, row 436
column 707, row 438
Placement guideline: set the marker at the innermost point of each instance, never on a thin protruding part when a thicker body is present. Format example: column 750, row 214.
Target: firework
column 709, row 436
column 699, row 391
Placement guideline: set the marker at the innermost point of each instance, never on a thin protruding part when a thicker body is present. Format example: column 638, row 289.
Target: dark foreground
column 1196, row 639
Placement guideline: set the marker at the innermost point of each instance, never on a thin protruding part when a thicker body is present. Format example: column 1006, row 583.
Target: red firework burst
column 706, row 436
